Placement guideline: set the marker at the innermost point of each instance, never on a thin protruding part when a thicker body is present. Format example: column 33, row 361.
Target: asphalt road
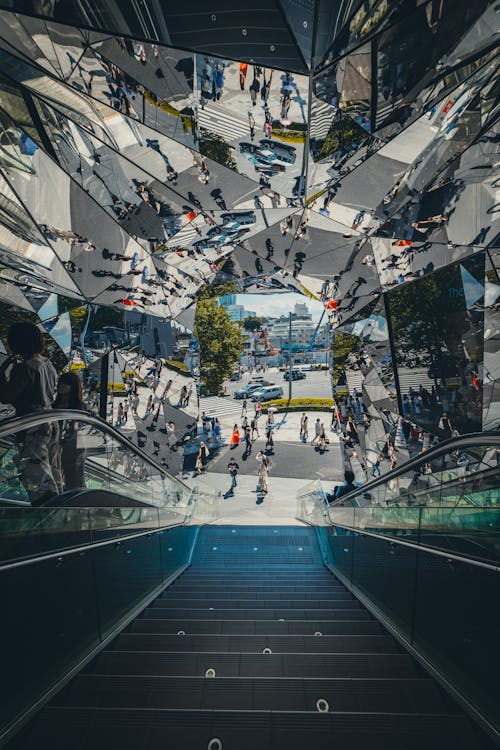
column 290, row 459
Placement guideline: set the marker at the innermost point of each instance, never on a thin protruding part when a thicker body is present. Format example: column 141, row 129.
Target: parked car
column 266, row 168
column 242, row 217
column 247, row 390
column 296, row 375
column 260, row 380
column 268, row 393
column 281, row 150
column 248, row 148
column 235, row 376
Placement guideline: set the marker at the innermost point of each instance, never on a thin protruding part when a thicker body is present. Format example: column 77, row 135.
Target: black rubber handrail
column 17, row 424
column 471, row 440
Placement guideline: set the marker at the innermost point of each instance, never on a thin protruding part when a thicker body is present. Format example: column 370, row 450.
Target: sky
column 274, row 305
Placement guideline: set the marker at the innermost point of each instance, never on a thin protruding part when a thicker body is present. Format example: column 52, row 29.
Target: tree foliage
column 343, row 345
column 252, row 323
column 220, row 342
column 219, row 290
column 216, row 148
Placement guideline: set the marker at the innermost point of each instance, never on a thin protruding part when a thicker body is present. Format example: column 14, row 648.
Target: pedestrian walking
column 258, row 409
column 201, row 458
column 376, row 471
column 243, row 75
column 248, row 440
column 322, row 437
column 317, row 430
column 270, row 440
column 303, row 427
column 233, row 469
column 121, row 414
column 244, row 408
column 235, row 437
column 263, row 472
column 244, row 423
column 352, row 430
column 254, row 427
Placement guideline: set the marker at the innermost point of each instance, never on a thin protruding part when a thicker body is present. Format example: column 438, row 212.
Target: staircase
column 255, row 646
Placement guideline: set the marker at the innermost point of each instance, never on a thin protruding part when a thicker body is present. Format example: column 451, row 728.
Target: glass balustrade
column 67, row 479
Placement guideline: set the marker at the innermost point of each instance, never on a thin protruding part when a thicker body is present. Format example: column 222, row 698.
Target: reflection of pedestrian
column 69, row 396
column 243, row 75
column 445, row 426
column 254, row 90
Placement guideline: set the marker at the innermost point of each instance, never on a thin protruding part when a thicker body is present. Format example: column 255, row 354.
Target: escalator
column 255, row 645
column 152, row 627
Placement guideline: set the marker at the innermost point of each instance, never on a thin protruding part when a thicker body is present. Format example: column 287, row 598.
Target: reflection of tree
column 429, row 319
column 219, row 290
column 214, row 147
column 343, row 345
column 106, row 316
column 344, row 131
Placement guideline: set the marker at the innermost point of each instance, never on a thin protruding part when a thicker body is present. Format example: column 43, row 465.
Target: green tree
column 343, row 345
column 220, row 342
column 216, row 148
column 253, row 323
column 78, row 316
column 219, row 290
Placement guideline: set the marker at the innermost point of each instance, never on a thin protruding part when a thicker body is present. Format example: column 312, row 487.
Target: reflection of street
column 244, row 105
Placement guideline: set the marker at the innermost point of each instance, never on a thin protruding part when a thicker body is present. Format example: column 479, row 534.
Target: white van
column 267, row 394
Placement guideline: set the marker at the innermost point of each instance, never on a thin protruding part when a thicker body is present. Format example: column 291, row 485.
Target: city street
column 293, row 463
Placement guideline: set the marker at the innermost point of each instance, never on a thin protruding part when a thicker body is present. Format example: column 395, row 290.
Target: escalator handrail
column 34, row 419
column 461, row 442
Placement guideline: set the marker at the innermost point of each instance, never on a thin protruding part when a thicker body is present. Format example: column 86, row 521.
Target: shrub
column 300, row 404
column 292, row 136
column 176, row 365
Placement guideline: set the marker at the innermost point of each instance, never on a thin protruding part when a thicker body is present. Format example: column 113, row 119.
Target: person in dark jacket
column 28, row 382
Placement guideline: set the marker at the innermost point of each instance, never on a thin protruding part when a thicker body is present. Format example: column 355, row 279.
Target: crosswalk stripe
column 382, row 111
column 321, row 119
column 183, row 237
column 222, row 124
column 213, row 406
column 413, row 378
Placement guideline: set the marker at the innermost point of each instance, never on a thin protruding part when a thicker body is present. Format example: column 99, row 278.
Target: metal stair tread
column 94, row 728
